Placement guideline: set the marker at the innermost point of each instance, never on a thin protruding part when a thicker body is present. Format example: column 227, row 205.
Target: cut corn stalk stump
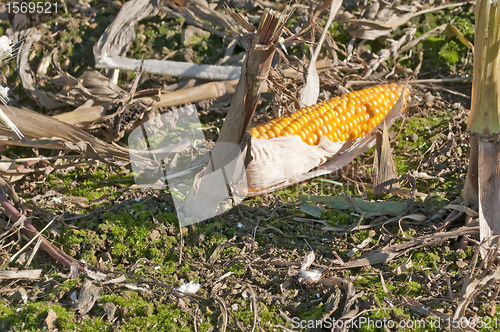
column 483, row 177
column 254, row 72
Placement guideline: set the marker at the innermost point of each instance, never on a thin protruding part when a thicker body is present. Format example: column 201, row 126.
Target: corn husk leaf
column 452, row 30
column 387, row 20
column 309, row 95
column 120, row 34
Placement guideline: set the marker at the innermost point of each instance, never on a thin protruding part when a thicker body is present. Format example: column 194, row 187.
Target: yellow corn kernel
column 350, row 116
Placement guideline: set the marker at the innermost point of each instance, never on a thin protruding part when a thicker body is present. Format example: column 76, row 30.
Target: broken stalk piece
column 484, row 121
column 254, row 73
column 29, row 230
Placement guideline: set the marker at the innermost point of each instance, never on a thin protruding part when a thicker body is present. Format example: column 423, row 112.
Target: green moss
column 425, row 259
column 33, row 314
column 338, row 217
column 68, row 285
column 91, row 182
column 412, row 289
column 451, row 52
column 143, row 315
column 130, row 232
column 238, row 269
column 373, row 284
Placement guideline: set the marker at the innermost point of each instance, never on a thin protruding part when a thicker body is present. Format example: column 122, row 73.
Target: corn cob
column 350, row 116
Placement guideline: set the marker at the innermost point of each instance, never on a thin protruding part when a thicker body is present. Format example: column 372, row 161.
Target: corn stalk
column 205, row 199
column 254, row 73
column 483, row 176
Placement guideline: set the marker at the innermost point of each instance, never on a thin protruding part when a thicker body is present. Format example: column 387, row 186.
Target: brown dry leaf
column 391, row 252
column 42, row 98
column 418, row 307
column 118, row 36
column 109, row 310
column 406, row 265
column 89, row 294
column 474, row 288
column 53, row 134
column 392, row 51
column 188, row 14
column 310, row 93
column 73, row 92
column 51, row 318
column 452, row 30
column 101, row 87
column 24, row 274
column 384, row 169
column 225, row 22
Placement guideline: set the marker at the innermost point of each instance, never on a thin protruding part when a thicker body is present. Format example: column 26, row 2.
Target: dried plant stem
column 195, row 94
column 31, row 232
column 484, row 122
column 204, row 199
column 485, row 110
column 254, row 73
column 11, row 259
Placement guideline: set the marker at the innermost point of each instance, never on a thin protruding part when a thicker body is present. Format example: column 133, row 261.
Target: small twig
column 255, row 308
column 22, row 160
column 29, row 242
column 223, row 311
column 35, row 250
column 181, row 243
column 454, row 215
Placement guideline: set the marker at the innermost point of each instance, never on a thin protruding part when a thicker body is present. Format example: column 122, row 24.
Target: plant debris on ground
column 325, row 254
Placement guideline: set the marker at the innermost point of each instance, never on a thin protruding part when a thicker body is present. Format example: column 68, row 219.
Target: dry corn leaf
column 391, row 252
column 118, row 36
column 387, row 20
column 310, row 93
column 54, row 134
column 340, row 203
column 453, row 31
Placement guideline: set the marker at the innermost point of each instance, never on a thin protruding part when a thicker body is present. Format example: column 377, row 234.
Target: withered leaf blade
column 45, row 132
column 121, row 33
column 391, row 252
column 309, row 95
